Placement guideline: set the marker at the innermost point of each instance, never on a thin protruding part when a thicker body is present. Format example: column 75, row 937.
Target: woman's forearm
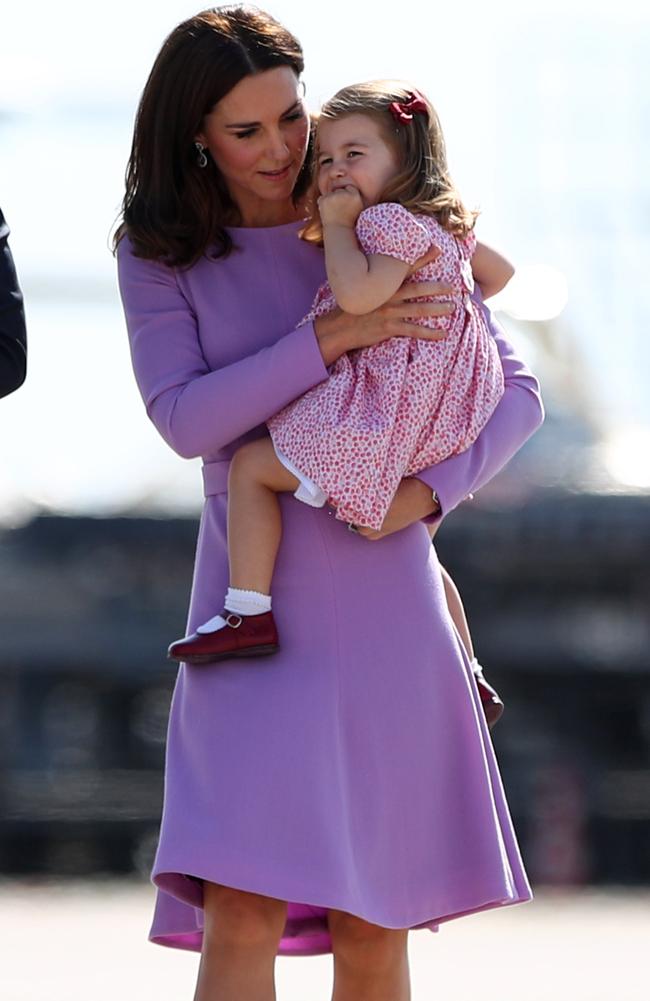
column 517, row 416
column 199, row 411
column 334, row 335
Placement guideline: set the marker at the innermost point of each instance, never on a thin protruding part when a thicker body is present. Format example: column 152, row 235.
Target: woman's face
column 257, row 136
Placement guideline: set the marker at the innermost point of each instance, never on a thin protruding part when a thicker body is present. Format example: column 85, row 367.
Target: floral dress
column 391, row 410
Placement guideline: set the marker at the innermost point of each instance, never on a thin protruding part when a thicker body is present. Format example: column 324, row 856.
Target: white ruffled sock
column 241, row 603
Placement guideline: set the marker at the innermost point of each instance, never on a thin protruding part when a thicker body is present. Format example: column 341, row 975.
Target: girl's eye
column 354, row 152
column 325, row 161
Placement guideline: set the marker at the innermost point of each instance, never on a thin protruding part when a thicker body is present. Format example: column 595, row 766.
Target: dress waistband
column 215, row 477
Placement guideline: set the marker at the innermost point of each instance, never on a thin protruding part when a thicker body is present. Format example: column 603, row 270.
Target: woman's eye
column 246, row 134
column 294, row 118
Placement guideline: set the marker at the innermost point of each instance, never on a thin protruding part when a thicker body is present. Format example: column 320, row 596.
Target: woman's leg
column 254, row 521
column 457, row 612
column 240, row 942
column 370, row 962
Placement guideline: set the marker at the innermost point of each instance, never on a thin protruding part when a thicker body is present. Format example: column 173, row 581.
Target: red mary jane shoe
column 242, row 636
column 490, row 698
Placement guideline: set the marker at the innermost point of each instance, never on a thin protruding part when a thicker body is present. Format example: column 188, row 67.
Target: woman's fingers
column 405, row 315
column 398, row 317
column 417, row 290
column 432, row 254
column 417, row 309
column 370, row 533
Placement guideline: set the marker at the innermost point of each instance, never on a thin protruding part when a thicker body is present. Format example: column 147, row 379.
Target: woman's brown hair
column 423, row 184
column 172, row 209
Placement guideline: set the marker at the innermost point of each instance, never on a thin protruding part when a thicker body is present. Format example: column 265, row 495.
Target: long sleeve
column 518, row 414
column 13, row 336
column 198, row 411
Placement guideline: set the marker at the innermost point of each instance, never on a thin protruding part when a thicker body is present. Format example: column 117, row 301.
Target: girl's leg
column 370, row 962
column 246, row 628
column 490, row 698
column 240, row 942
column 254, row 521
column 457, row 612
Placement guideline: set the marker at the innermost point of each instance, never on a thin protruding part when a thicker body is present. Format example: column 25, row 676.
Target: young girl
column 385, row 412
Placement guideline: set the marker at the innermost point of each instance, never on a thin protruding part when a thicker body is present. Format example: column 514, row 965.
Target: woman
column 346, row 790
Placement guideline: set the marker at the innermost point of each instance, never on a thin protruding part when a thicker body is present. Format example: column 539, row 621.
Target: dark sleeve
column 13, row 336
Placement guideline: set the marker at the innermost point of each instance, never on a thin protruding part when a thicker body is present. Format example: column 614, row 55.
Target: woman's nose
column 278, row 147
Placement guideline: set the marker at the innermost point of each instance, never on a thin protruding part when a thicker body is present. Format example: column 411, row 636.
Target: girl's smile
column 354, row 151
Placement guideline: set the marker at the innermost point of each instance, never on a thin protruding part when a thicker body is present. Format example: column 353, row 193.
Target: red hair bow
column 403, row 111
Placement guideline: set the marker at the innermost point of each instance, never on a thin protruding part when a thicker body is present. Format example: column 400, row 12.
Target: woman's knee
column 355, row 940
column 238, row 918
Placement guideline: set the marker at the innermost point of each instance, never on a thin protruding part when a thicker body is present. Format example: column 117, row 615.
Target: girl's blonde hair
column 423, row 184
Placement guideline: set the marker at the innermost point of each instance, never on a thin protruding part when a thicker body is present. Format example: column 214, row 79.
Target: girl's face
column 354, row 151
column 257, row 136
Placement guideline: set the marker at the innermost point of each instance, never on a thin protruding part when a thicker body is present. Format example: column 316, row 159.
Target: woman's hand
column 412, row 502
column 338, row 332
column 432, row 254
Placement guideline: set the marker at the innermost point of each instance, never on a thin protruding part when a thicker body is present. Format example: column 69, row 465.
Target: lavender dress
column 353, row 769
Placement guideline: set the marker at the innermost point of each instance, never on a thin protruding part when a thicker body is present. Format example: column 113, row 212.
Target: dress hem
column 304, row 942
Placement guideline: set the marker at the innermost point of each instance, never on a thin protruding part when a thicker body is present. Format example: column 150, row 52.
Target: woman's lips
column 277, row 175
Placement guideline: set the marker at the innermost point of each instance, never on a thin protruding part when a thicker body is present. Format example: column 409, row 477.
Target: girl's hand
column 338, row 332
column 411, row 503
column 340, row 207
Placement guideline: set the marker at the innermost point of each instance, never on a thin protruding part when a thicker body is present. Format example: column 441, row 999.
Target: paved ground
column 87, row 942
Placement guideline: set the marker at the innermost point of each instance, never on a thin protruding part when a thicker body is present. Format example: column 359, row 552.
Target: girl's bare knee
column 251, row 461
column 237, row 918
column 244, row 459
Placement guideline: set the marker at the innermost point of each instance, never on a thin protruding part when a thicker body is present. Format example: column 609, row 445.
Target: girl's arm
column 360, row 283
column 490, row 270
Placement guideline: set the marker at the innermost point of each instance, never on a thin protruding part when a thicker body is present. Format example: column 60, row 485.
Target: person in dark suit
column 13, row 335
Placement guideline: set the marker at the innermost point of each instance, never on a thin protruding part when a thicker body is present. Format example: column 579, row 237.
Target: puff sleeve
column 390, row 229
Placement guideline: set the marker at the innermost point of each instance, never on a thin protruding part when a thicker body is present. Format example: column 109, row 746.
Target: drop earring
column 201, row 159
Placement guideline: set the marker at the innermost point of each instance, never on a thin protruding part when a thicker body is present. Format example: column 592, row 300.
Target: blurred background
column 546, row 111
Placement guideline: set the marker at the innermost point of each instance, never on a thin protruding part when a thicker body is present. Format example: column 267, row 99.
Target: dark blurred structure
column 557, row 591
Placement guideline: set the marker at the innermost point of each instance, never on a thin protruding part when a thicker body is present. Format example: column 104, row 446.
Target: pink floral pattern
column 391, row 410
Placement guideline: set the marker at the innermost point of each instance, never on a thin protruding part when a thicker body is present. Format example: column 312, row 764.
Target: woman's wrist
column 333, row 334
column 425, row 500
